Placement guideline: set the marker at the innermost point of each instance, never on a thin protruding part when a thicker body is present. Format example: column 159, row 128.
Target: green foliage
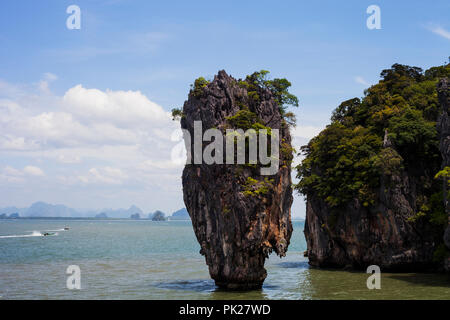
column 243, row 84
column 437, row 72
column 198, row 86
column 437, row 213
column 346, row 111
column 287, row 152
column 398, row 74
column 431, row 208
column 258, row 81
column 444, row 174
column 422, row 213
column 389, row 162
column 340, row 164
column 440, row 253
column 226, row 210
column 280, row 88
column 256, row 84
column 347, row 159
column 177, row 114
column 290, row 119
column 245, row 119
column 254, row 96
column 254, row 188
column 414, row 136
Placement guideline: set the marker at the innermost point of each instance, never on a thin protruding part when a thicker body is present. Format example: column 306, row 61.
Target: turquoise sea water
column 124, row 259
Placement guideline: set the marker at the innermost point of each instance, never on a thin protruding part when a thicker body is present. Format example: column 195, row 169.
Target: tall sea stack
column 371, row 178
column 239, row 216
column 444, row 145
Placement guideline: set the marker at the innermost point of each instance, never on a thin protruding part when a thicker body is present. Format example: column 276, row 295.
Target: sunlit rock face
column 239, row 216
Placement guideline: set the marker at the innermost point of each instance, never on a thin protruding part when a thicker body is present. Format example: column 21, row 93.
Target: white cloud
column 148, row 165
column 13, row 175
column 33, row 171
column 10, row 171
column 9, row 90
column 44, row 83
column 306, row 132
column 83, row 117
column 119, row 107
column 64, row 158
column 48, row 76
column 9, row 142
column 91, row 138
column 301, row 135
column 361, row 80
column 441, row 32
column 61, row 129
column 43, row 86
column 106, row 175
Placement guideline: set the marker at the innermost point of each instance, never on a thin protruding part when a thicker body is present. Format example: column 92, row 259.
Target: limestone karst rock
column 158, row 216
column 239, row 216
column 395, row 218
column 444, row 146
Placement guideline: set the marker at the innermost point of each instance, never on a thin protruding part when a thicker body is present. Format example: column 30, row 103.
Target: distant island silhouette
column 45, row 210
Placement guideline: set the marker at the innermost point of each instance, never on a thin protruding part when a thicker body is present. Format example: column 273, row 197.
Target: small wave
column 188, row 285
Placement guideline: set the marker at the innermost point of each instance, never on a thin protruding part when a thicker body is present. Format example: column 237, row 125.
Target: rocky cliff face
column 364, row 236
column 238, row 216
column 394, row 232
column 444, row 145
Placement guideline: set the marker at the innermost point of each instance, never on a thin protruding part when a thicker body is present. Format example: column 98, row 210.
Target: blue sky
column 59, row 144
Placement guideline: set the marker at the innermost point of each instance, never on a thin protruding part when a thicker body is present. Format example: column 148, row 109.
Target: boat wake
column 33, row 234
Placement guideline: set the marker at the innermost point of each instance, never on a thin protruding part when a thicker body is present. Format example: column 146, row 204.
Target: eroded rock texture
column 364, row 236
column 444, row 134
column 359, row 236
column 236, row 229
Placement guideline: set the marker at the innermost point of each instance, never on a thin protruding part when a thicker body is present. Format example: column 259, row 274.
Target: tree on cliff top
column 279, row 88
column 254, row 83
